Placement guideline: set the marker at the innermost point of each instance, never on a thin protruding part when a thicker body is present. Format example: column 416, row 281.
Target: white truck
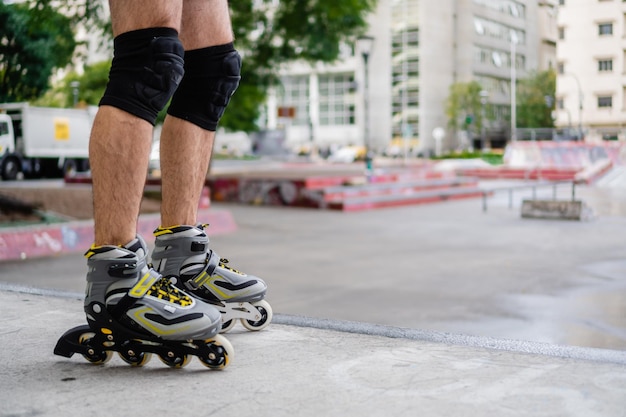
column 43, row 142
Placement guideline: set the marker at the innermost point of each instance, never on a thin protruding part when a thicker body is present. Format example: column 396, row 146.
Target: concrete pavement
column 305, row 367
column 436, row 310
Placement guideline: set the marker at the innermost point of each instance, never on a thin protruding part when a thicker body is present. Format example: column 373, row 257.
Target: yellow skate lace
column 164, row 290
column 223, row 264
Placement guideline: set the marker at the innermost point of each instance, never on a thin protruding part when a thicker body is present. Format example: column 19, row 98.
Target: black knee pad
column 146, row 70
column 211, row 77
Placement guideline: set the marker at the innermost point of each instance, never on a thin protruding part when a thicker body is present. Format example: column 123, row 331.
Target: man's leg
column 120, row 141
column 186, row 147
column 212, row 69
column 126, row 300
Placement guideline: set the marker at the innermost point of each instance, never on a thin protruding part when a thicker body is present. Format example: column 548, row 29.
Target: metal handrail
column 534, row 186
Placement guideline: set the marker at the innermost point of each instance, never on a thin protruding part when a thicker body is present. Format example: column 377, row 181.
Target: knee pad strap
column 146, row 70
column 211, row 77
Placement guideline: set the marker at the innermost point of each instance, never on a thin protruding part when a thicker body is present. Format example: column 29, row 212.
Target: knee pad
column 146, row 70
column 211, row 77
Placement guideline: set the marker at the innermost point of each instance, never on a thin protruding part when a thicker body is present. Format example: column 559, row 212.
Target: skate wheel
column 174, row 361
column 219, row 354
column 135, row 358
column 228, row 325
column 96, row 356
column 265, row 310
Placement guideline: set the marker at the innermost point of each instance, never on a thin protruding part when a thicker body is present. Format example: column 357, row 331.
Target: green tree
column 267, row 35
column 34, row 41
column 90, row 87
column 464, row 106
column 299, row 30
column 535, row 98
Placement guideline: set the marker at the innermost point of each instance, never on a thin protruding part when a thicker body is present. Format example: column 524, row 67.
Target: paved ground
column 445, row 267
column 332, row 369
column 428, row 310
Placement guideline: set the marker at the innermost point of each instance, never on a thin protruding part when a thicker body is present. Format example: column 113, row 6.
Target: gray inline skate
column 135, row 311
column 183, row 252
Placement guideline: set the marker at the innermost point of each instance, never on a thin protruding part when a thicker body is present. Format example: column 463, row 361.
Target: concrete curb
column 72, row 237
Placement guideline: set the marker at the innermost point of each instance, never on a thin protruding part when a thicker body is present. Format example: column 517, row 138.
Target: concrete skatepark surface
column 429, row 310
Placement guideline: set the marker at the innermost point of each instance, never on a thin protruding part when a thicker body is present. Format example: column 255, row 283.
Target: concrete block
column 555, row 210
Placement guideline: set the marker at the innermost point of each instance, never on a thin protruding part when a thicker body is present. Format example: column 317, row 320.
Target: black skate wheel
column 174, row 361
column 218, row 354
column 265, row 311
column 94, row 355
column 135, row 358
column 227, row 325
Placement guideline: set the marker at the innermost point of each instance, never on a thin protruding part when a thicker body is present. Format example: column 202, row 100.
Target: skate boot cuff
column 135, row 245
column 212, row 262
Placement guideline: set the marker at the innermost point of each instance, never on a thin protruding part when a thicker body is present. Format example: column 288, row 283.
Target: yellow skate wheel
column 220, row 353
column 96, row 356
column 174, row 361
column 135, row 358
column 265, row 317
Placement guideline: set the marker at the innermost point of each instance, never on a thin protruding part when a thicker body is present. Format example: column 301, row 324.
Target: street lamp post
column 365, row 45
column 580, row 105
column 514, row 41
column 75, row 85
column 483, row 103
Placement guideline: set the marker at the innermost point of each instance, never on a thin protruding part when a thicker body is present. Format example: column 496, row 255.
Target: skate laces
column 224, row 264
column 163, row 289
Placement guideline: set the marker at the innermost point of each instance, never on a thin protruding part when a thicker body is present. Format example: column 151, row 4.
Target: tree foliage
column 464, row 106
column 90, row 87
column 535, row 98
column 268, row 34
column 298, row 30
column 34, row 41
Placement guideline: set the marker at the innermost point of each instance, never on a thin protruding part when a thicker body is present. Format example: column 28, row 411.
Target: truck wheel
column 83, row 165
column 69, row 168
column 36, row 170
column 10, row 168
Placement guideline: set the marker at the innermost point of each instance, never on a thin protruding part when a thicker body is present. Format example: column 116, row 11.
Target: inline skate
column 183, row 251
column 135, row 311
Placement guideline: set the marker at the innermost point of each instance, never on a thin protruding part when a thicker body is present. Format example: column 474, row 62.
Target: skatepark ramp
column 344, row 192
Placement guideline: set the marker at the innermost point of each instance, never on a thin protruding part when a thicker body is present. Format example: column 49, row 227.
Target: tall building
column 325, row 104
column 421, row 47
column 591, row 53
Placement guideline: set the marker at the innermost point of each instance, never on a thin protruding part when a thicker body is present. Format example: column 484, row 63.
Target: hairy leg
column 120, row 143
column 186, row 148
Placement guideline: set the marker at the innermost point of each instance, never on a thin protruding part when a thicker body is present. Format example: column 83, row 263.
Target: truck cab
column 9, row 165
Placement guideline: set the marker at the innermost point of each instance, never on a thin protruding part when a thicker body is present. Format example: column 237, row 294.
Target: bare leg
column 186, row 148
column 120, row 142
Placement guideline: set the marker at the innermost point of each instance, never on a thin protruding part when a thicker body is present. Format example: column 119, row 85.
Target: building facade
column 324, row 105
column 591, row 81
column 421, row 47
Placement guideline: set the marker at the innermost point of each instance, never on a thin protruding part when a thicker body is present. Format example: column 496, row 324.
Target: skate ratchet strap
column 144, row 284
column 212, row 261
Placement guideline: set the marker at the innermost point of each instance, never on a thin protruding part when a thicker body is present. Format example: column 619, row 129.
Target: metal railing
column 534, row 186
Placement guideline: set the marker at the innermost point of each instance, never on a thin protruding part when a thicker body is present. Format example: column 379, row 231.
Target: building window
column 561, row 2
column 336, row 105
column 561, row 33
column 560, row 68
column 605, row 102
column 605, row 65
column 605, row 29
column 295, row 93
column 497, row 30
column 511, row 7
